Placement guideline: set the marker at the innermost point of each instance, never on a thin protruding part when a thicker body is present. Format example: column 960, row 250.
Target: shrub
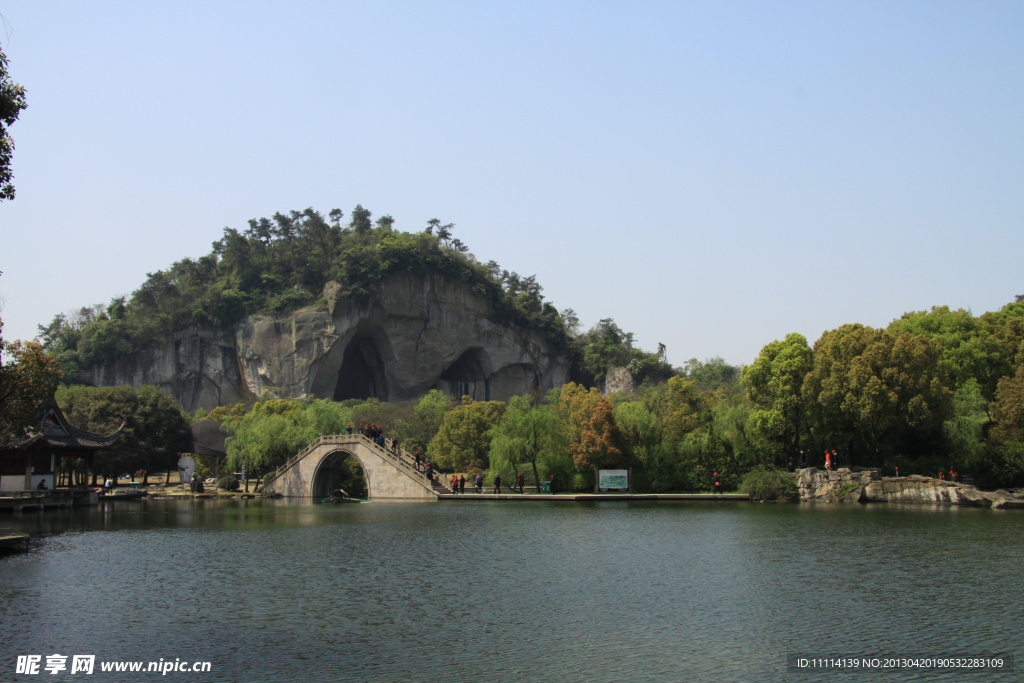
column 228, row 482
column 762, row 483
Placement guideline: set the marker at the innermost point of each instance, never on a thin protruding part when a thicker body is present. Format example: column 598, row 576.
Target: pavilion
column 27, row 461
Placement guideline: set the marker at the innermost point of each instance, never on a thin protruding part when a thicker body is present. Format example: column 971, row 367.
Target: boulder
column 619, row 380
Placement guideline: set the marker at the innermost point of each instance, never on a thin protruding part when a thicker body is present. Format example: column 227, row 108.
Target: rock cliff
column 415, row 333
column 869, row 486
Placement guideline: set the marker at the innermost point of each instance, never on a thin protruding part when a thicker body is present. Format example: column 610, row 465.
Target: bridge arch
column 388, row 476
column 325, row 476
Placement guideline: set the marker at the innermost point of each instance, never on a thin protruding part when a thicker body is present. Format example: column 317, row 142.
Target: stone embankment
column 869, row 486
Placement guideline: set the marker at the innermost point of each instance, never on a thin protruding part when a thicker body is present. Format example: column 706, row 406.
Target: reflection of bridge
column 310, row 474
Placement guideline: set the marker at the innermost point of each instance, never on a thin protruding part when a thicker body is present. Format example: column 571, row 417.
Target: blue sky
column 713, row 175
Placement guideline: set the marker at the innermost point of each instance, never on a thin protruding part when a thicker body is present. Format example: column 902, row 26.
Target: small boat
column 335, row 500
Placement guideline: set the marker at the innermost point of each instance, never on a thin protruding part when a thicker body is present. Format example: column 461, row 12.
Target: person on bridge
column 497, row 484
column 394, row 443
column 348, row 430
column 417, row 460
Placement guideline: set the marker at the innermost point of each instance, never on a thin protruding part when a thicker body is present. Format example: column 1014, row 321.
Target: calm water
column 512, row 591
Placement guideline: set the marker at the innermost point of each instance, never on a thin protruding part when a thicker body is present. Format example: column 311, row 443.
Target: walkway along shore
column 580, row 497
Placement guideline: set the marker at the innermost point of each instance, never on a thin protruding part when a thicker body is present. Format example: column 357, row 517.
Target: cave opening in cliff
column 362, row 372
column 467, row 376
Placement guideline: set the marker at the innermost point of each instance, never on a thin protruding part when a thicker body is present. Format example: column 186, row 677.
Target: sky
column 711, row 175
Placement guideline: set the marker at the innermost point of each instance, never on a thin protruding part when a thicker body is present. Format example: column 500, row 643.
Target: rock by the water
column 869, row 486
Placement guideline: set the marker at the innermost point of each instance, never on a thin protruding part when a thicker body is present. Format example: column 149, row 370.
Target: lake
column 519, row 591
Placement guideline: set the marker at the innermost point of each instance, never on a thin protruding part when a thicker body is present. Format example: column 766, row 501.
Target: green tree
column 971, row 349
column 519, row 438
column 12, row 103
column 155, row 430
column 464, row 440
column 641, row 431
column 1008, row 408
column 774, row 382
column 965, row 429
column 262, row 441
column 713, row 373
column 880, row 394
column 429, row 415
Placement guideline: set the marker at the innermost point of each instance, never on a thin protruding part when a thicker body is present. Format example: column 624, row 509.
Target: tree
column 640, row 429
column 464, row 439
column 1008, row 408
column 429, row 415
column 712, row 373
column 28, row 381
column 878, row 393
column 155, row 430
column 593, row 437
column 971, row 349
column 12, row 103
column 519, row 438
column 774, row 382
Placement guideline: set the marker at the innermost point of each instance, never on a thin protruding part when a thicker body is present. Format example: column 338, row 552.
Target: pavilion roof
column 54, row 430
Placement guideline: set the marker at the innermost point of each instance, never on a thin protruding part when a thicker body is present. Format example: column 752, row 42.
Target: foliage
column 28, row 380
column 12, row 103
column 593, row 438
column 519, row 438
column 464, row 440
column 713, row 373
column 276, row 429
column 774, row 382
column 606, row 345
column 762, row 483
column 155, row 430
column 229, row 482
column 877, row 392
column 429, row 415
column 965, row 429
column 1008, row 408
column 972, row 348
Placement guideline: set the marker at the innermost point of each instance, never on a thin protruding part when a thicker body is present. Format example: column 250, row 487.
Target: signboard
column 613, row 479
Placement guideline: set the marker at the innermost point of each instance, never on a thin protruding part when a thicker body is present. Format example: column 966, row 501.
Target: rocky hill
column 413, row 333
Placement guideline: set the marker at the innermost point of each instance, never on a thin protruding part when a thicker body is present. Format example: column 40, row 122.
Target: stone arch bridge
column 389, row 475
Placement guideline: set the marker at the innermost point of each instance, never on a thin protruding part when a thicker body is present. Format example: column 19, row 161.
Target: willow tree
column 519, row 438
